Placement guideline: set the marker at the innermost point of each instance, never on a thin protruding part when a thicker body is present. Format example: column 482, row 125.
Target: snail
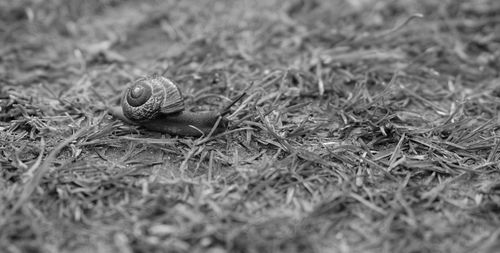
column 156, row 103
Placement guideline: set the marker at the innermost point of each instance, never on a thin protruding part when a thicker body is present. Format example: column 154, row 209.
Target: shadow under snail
column 157, row 104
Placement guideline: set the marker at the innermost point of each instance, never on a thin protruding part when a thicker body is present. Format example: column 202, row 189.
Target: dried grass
column 367, row 126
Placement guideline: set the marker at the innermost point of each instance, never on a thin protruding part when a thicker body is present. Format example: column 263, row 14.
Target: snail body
column 157, row 104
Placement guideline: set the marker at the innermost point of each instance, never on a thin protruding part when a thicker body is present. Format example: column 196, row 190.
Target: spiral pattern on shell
column 151, row 97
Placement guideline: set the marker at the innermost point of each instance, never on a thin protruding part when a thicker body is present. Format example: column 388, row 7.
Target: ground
column 367, row 126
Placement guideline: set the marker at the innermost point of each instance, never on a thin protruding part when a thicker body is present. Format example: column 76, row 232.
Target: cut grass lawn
column 368, row 126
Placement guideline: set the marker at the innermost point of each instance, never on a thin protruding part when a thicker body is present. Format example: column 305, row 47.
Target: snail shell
column 150, row 97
